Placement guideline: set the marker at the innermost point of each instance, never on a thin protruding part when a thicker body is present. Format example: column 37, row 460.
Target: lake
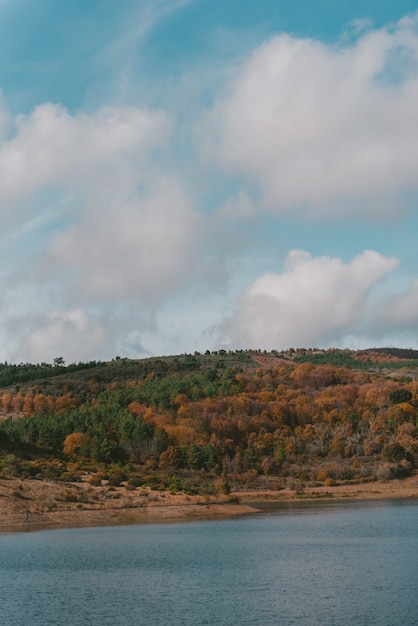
column 334, row 564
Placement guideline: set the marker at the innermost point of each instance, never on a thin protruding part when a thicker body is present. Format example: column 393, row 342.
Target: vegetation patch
column 206, row 424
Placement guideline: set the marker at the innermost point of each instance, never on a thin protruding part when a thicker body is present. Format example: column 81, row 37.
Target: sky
column 183, row 175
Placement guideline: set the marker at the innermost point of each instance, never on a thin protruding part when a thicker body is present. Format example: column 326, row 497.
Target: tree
column 400, row 395
column 59, row 361
column 170, row 458
column 7, row 400
column 75, row 444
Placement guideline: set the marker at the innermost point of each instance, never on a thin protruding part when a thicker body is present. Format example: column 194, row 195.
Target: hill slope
column 204, row 424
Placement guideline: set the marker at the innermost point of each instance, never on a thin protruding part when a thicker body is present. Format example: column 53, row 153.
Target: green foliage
column 160, row 392
column 400, row 395
column 11, row 374
column 117, row 475
column 338, row 358
column 358, row 361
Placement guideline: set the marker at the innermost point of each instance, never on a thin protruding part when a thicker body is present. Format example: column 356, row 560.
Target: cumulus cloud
column 74, row 334
column 145, row 248
column 128, row 225
column 324, row 129
column 81, row 153
column 102, row 241
column 315, row 301
column 398, row 313
column 108, row 224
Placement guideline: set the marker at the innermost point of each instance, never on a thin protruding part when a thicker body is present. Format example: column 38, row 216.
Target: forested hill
column 206, row 422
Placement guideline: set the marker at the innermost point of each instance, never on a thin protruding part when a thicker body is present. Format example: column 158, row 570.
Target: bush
column 96, row 480
column 117, row 477
column 135, row 481
column 70, row 497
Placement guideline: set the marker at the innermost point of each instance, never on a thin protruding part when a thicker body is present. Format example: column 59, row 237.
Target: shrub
column 96, row 480
column 135, row 481
column 116, row 477
column 70, row 497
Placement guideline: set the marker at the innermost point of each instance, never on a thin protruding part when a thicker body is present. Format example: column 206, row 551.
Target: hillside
column 206, row 424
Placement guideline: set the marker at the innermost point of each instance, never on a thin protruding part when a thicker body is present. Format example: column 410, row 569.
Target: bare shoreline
column 36, row 505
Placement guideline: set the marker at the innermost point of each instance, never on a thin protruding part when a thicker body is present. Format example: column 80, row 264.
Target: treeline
column 12, row 374
column 123, row 368
column 300, row 422
column 119, row 369
column 378, row 358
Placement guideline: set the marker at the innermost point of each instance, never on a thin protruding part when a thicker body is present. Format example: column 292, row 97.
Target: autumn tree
column 76, row 444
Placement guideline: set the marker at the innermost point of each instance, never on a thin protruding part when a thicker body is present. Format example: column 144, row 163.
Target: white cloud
column 145, row 248
column 108, row 225
column 399, row 312
column 325, row 129
column 82, row 153
column 74, row 334
column 130, row 228
column 315, row 301
column 104, row 251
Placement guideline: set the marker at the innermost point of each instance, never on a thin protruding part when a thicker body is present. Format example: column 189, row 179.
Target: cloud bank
column 114, row 216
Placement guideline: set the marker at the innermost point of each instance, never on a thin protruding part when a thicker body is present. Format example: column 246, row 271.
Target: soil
column 27, row 505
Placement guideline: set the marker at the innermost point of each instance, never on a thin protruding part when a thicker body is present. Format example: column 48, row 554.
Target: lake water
column 333, row 564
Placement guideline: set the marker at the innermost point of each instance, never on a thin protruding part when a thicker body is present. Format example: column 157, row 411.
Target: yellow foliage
column 75, row 443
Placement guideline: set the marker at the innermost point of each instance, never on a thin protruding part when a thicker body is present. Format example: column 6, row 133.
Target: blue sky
column 191, row 174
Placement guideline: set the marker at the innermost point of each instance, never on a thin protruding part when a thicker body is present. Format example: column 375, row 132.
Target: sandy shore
column 34, row 505
column 406, row 488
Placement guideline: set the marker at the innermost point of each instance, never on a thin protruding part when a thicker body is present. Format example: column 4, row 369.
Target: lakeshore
column 35, row 505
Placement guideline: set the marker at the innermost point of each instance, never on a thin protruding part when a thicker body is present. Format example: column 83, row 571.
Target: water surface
column 333, row 564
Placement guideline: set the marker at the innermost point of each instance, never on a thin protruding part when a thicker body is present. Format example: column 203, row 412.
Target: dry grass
column 35, row 504
column 399, row 488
